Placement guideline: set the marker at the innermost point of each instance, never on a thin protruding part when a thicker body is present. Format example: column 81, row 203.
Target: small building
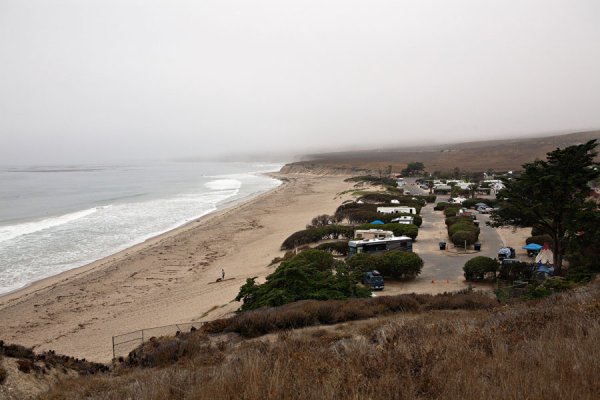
column 397, row 210
column 404, row 219
column 372, row 234
column 370, row 246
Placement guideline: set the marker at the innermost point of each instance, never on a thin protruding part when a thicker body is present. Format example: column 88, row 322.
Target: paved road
column 447, row 265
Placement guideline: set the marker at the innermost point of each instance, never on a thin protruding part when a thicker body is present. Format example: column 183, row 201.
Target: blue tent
column 377, row 222
column 532, row 247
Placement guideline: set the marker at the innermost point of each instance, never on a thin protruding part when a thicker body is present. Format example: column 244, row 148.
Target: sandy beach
column 168, row 279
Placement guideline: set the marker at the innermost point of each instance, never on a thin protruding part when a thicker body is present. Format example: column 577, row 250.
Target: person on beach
column 222, row 274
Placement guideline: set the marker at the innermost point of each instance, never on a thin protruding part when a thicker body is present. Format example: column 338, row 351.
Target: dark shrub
column 458, row 219
column 340, row 248
column 394, row 264
column 17, row 351
column 537, row 231
column 312, row 274
column 409, row 230
column 541, row 239
column 375, row 180
column 25, row 366
column 462, row 226
column 440, row 206
column 401, row 265
column 515, row 271
column 451, row 211
column 313, row 235
column 476, row 268
column 3, row 375
column 460, row 237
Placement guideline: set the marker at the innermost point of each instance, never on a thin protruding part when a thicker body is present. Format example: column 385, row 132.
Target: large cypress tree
column 550, row 194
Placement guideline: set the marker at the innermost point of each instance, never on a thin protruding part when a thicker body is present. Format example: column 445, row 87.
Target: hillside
column 468, row 349
column 496, row 155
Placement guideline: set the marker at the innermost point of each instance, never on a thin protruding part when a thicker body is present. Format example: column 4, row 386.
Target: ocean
column 56, row 218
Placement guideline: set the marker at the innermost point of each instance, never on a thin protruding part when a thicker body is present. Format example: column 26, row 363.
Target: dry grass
column 312, row 312
column 547, row 349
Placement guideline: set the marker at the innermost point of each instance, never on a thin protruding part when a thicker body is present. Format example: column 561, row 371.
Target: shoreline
column 169, row 278
column 65, row 275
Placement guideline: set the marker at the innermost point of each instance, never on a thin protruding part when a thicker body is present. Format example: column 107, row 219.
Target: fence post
column 142, row 336
column 113, row 341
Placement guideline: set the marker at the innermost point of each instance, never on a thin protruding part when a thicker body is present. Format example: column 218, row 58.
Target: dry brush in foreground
column 539, row 349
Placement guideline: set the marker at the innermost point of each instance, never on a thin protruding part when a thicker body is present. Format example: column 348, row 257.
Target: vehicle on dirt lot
column 374, row 280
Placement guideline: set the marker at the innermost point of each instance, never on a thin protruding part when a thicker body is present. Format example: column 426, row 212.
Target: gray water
column 56, row 218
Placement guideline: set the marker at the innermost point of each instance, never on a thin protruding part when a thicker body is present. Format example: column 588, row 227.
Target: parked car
column 374, row 280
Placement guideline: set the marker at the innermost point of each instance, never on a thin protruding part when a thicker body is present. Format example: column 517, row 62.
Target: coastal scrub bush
column 401, row 265
column 312, row 274
column 460, row 237
column 393, row 264
column 356, row 213
column 469, row 203
column 540, row 239
column 410, row 230
column 429, row 198
column 321, row 220
column 3, row 372
column 340, row 247
column 451, row 211
column 385, row 199
column 458, row 219
column 440, row 206
column 313, row 235
column 478, row 267
column 310, row 312
column 462, row 226
column 374, row 180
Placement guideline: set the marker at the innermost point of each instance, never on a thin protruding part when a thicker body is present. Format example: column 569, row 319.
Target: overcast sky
column 111, row 80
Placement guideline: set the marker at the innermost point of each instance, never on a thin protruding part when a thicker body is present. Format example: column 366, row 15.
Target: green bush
column 429, row 198
column 356, row 213
column 557, row 284
column 401, row 265
column 477, row 267
column 460, row 237
column 471, row 202
column 541, row 239
column 394, row 264
column 440, row 206
column 312, row 235
column 375, row 180
column 312, row 274
column 3, row 374
column 410, row 230
column 384, row 199
column 463, row 226
column 458, row 219
column 537, row 231
column 451, row 211
column 340, row 247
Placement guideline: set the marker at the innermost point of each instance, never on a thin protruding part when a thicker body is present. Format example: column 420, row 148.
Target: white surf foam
column 13, row 231
column 224, row 184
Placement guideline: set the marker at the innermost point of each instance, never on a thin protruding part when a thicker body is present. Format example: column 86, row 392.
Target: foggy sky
column 116, row 80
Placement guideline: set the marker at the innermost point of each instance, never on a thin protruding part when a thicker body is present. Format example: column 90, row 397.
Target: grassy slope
column 498, row 155
column 540, row 349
